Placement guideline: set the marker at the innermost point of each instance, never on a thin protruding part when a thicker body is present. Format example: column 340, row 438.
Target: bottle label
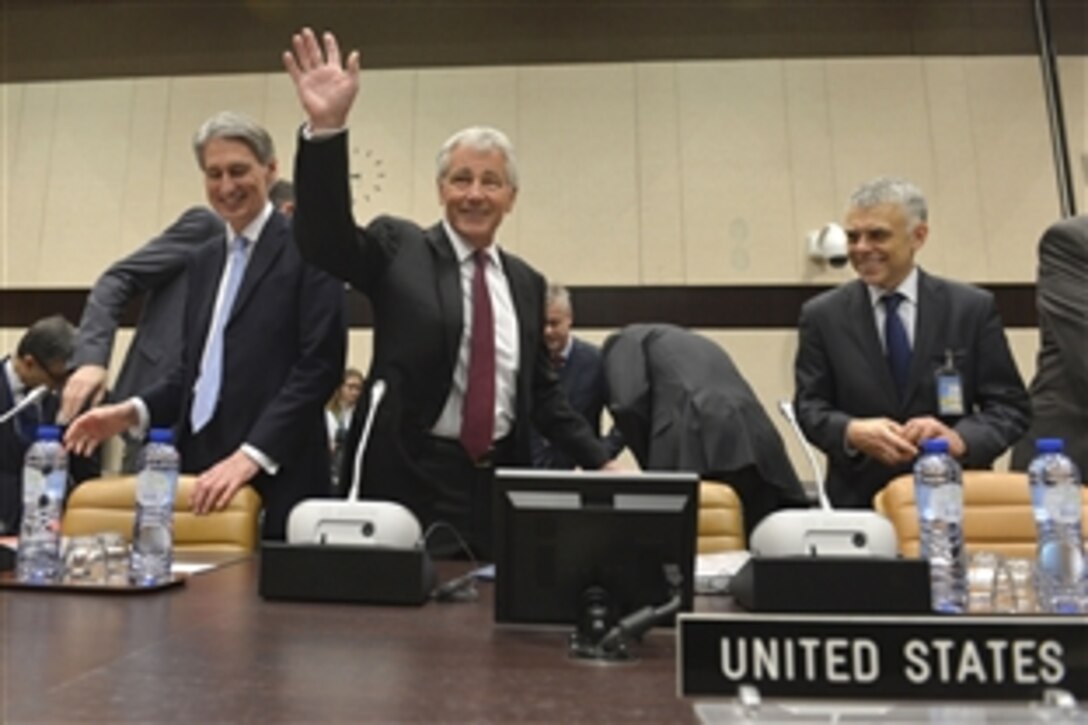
column 1062, row 503
column 33, row 484
column 946, row 502
column 154, row 487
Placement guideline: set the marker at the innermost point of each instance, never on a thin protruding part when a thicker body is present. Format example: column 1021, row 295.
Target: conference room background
column 672, row 157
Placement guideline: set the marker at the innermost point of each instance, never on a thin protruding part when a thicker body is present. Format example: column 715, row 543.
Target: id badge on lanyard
column 949, row 387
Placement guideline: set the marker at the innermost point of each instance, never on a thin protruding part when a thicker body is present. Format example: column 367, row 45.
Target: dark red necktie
column 478, row 411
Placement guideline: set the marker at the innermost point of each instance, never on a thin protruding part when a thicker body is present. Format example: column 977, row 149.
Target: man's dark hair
column 49, row 340
column 280, row 192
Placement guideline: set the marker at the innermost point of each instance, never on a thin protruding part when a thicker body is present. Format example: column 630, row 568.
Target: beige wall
column 633, row 173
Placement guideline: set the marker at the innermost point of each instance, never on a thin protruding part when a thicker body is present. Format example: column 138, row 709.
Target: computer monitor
column 572, row 545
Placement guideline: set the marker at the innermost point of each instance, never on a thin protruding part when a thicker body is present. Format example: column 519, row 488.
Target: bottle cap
column 935, row 445
column 161, row 435
column 48, row 433
column 1049, row 445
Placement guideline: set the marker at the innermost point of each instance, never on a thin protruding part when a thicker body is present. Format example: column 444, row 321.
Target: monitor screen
column 564, row 536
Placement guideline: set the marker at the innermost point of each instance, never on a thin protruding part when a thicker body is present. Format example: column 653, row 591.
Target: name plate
column 927, row 657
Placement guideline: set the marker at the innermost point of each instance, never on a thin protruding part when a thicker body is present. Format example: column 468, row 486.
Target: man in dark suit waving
column 899, row 356
column 263, row 345
column 457, row 322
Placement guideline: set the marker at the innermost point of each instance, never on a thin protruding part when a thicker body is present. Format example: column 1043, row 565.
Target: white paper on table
column 713, row 571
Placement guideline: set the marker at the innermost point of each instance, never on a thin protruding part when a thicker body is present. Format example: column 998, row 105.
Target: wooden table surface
column 213, row 650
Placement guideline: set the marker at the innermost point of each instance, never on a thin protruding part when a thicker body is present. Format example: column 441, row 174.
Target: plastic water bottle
column 45, row 481
column 1055, row 499
column 153, row 532
column 938, row 491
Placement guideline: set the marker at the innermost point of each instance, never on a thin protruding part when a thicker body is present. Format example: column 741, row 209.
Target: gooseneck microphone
column 377, row 392
column 32, row 397
column 788, row 413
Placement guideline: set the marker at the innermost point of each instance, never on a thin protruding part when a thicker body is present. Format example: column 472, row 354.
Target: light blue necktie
column 896, row 342
column 206, row 390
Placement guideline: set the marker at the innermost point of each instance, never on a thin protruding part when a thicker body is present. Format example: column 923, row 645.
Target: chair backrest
column 997, row 512
column 721, row 518
column 109, row 504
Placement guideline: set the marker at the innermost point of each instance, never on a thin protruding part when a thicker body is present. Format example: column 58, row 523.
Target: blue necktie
column 206, row 390
column 896, row 342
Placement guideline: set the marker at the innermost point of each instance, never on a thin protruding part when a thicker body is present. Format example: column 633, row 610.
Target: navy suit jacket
column 283, row 354
column 582, row 379
column 841, row 373
column 412, row 280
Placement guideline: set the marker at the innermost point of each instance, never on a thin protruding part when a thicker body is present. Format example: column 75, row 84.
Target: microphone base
column 350, row 574
column 833, row 584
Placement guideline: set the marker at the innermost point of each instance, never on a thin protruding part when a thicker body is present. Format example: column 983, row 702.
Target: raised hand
column 326, row 87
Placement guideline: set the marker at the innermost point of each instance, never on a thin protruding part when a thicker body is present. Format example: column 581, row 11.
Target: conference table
column 214, row 651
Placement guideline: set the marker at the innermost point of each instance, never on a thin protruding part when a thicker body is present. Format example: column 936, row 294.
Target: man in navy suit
column 581, row 375
column 263, row 345
column 899, row 356
column 444, row 298
column 41, row 359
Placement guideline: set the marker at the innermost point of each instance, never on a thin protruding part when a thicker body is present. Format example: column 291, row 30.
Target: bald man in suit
column 899, row 356
column 1059, row 391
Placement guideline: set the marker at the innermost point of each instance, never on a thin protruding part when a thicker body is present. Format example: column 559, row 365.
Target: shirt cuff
column 309, row 134
column 266, row 463
column 138, row 431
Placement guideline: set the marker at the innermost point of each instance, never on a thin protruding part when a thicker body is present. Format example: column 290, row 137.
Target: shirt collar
column 16, row 385
column 564, row 354
column 463, row 250
column 253, row 230
column 908, row 288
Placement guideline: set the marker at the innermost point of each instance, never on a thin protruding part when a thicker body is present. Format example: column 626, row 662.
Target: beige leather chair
column 996, row 512
column 721, row 518
column 108, row 504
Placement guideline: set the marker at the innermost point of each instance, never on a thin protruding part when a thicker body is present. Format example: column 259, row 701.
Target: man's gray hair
column 236, row 127
column 479, row 138
column 891, row 190
column 557, row 293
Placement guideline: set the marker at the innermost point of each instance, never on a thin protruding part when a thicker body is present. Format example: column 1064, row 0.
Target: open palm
column 326, row 86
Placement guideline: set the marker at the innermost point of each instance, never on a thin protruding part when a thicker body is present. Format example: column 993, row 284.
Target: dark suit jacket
column 841, row 373
column 683, row 405
column 156, row 270
column 411, row 277
column 283, row 353
column 16, row 436
column 582, row 379
column 1059, row 392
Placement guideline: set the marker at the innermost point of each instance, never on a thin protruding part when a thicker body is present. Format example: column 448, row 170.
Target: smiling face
column 881, row 243
column 235, row 181
column 476, row 193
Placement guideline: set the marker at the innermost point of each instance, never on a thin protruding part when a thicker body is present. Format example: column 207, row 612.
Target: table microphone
column 32, row 397
column 788, row 413
column 377, row 392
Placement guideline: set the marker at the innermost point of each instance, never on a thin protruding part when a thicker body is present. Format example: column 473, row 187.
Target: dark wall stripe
column 733, row 307
column 70, row 39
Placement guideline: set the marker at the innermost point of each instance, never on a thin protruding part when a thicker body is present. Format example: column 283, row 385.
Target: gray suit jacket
column 841, row 373
column 156, row 270
column 1059, row 392
column 682, row 405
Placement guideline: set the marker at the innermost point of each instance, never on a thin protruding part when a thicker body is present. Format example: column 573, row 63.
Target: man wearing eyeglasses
column 40, row 360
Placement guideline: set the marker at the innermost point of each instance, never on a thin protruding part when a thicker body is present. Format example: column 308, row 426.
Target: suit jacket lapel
column 521, row 285
column 931, row 301
column 275, row 236
column 861, row 322
column 204, row 287
column 448, row 281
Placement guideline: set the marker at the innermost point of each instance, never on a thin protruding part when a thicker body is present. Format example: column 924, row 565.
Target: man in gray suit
column 1059, row 392
column 157, row 271
column 682, row 405
column 899, row 356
